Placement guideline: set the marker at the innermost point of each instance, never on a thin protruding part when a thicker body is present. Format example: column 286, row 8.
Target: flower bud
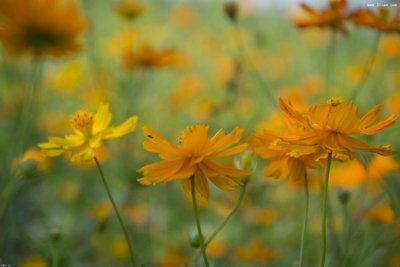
column 231, row 10
column 194, row 240
column 344, row 196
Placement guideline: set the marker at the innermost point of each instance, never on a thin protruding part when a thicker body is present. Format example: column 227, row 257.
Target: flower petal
column 158, row 144
column 124, row 128
column 211, row 170
column 225, row 183
column 102, row 119
column 201, row 184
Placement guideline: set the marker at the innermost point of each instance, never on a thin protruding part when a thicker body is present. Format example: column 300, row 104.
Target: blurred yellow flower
column 89, row 133
column 101, row 211
column 379, row 167
column 173, row 257
column 129, row 9
column 391, row 46
column 330, row 125
column 182, row 15
column 67, row 190
column 194, row 157
column 35, row 261
column 187, row 87
column 349, row 175
column 119, row 248
column 216, row 248
column 41, row 27
column 382, row 20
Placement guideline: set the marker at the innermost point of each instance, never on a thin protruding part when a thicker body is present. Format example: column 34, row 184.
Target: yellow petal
column 124, row 128
column 229, row 152
column 389, row 121
column 102, row 119
column 158, row 144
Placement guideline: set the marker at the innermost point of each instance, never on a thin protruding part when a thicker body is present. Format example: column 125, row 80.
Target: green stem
column 116, row 211
column 234, row 209
column 368, row 67
column 244, row 57
column 303, row 231
column 324, row 209
column 330, row 63
column 196, row 215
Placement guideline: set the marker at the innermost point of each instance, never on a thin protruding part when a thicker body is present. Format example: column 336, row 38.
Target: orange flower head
column 330, row 125
column 42, row 28
column 381, row 20
column 194, row 157
column 148, row 57
column 334, row 16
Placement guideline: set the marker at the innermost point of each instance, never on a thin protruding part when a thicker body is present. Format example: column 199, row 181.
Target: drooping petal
column 201, row 184
column 275, row 167
column 369, row 117
column 212, row 169
column 124, row 128
column 160, row 171
column 293, row 115
column 225, row 183
column 102, row 119
column 220, row 141
column 353, row 143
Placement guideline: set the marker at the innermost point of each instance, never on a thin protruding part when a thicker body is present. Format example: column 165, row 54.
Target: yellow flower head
column 40, row 27
column 330, row 125
column 194, row 157
column 129, row 9
column 90, row 130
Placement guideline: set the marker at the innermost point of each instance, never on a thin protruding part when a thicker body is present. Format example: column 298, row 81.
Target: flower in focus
column 147, row 57
column 334, row 16
column 129, row 9
column 381, row 20
column 330, row 125
column 89, row 133
column 194, row 157
column 41, row 27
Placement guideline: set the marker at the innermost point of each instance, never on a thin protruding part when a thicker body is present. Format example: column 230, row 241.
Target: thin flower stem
column 303, row 231
column 330, row 64
column 324, row 209
column 245, row 57
column 234, row 209
column 368, row 67
column 116, row 211
column 196, row 215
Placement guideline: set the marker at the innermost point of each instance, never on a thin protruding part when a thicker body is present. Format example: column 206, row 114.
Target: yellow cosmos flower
column 194, row 157
column 330, row 125
column 41, row 27
column 129, row 9
column 89, row 133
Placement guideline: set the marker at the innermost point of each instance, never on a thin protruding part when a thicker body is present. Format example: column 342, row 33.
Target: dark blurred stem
column 197, row 218
column 324, row 210
column 116, row 211
column 368, row 67
column 330, row 63
column 305, row 219
column 346, row 231
column 244, row 57
column 233, row 211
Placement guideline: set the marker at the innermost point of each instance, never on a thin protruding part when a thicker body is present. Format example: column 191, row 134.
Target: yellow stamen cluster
column 334, row 101
column 82, row 120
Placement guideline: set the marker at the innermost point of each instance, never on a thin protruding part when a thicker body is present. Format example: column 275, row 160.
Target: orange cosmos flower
column 286, row 160
column 330, row 125
column 147, row 57
column 41, row 27
column 334, row 16
column 194, row 157
column 381, row 21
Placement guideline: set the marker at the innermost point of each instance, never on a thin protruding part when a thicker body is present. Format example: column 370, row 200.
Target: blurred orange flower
column 334, row 16
column 147, row 57
column 36, row 261
column 380, row 21
column 255, row 252
column 41, row 27
column 194, row 158
column 381, row 213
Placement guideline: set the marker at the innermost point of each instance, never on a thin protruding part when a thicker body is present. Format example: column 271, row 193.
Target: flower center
column 335, row 101
column 82, row 121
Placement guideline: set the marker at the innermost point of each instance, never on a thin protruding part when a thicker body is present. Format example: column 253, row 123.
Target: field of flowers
column 199, row 133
